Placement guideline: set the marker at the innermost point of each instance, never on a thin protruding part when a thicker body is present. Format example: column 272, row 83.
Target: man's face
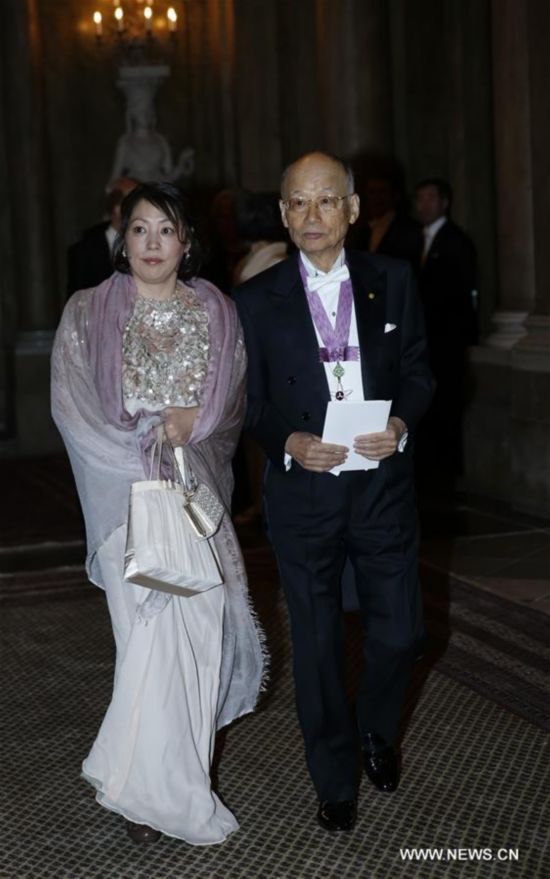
column 430, row 205
column 317, row 233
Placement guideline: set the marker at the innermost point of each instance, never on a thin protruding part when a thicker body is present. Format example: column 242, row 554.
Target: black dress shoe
column 142, row 832
column 337, row 816
column 381, row 764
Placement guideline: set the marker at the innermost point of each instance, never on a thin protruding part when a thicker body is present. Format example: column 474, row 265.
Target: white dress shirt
column 429, row 233
column 110, row 235
column 352, row 380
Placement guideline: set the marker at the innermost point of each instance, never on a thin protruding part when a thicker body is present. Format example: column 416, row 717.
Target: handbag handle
column 161, row 443
column 188, row 478
column 156, row 454
column 182, row 473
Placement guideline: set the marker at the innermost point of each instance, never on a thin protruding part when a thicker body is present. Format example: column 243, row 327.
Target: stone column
column 509, row 425
column 513, row 170
column 32, row 299
column 441, row 72
column 530, row 422
column 29, row 187
column 299, row 93
column 207, row 87
column 335, row 78
column 354, row 75
column 533, row 351
column 227, row 85
column 488, row 441
column 257, row 94
column 8, row 316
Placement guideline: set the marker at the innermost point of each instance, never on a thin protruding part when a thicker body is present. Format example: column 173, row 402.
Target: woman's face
column 153, row 246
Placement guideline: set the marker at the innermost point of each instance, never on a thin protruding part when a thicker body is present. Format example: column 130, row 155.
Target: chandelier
column 134, row 25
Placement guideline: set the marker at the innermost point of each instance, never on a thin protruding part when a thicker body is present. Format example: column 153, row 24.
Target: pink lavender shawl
column 109, row 448
column 110, row 309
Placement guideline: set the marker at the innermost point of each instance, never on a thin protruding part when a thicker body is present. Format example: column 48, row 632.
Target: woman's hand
column 178, row 423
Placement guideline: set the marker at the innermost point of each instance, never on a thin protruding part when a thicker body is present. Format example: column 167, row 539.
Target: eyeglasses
column 326, row 204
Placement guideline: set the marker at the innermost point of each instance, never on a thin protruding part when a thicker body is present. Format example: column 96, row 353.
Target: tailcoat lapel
column 299, row 349
column 369, row 294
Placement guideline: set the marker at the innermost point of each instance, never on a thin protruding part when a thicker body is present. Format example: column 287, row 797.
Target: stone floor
column 476, row 773
column 474, row 540
column 490, row 546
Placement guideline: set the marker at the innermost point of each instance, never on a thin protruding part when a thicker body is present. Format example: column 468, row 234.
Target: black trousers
column 314, row 522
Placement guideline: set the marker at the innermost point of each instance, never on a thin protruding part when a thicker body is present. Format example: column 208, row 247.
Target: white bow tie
column 335, row 276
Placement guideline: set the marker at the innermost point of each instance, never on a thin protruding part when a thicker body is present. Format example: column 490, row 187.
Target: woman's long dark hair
column 169, row 199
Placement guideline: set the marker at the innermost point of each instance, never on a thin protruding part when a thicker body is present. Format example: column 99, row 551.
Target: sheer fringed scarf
column 109, row 448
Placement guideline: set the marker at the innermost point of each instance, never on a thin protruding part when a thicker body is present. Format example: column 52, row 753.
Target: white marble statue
column 142, row 152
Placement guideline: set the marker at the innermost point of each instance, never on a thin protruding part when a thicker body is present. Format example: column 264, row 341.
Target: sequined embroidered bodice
column 165, row 352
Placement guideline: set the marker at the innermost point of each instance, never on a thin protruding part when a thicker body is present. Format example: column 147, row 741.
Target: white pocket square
column 389, row 327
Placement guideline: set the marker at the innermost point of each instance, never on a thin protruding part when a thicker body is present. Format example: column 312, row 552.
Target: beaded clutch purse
column 203, row 509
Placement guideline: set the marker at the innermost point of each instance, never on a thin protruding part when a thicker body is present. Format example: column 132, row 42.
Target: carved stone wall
column 508, row 427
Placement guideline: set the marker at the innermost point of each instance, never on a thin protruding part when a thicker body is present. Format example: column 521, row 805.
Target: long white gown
column 151, row 759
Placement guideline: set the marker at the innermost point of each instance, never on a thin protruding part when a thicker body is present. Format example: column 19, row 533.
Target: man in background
column 447, row 287
column 89, row 260
column 389, row 230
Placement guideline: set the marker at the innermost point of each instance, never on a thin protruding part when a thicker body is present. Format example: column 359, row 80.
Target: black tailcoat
column 317, row 520
column 446, row 281
column 287, row 388
column 89, row 260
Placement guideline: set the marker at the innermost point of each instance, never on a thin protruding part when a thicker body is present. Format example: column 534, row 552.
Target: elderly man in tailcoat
column 331, row 324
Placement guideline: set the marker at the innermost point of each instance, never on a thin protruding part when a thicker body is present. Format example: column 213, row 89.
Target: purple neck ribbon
column 335, row 339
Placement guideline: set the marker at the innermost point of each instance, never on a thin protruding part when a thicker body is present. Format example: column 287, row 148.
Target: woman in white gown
column 155, row 345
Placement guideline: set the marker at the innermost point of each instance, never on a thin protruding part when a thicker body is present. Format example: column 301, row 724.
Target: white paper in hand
column 344, row 421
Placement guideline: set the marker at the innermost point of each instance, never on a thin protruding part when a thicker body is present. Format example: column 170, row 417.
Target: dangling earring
column 124, row 253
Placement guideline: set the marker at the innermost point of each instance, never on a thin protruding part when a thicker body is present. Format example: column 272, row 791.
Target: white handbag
column 168, row 545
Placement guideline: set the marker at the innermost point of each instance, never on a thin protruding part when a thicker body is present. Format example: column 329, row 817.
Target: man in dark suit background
column 89, row 259
column 317, row 519
column 447, row 287
column 389, row 230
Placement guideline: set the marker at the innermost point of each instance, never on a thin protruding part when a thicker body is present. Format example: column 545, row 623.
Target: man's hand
column 313, row 454
column 378, row 446
column 178, row 423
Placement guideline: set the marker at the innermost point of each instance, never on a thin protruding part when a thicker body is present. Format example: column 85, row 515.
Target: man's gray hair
column 345, row 166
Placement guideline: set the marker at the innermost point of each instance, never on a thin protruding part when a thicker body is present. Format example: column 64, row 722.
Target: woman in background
column 259, row 226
